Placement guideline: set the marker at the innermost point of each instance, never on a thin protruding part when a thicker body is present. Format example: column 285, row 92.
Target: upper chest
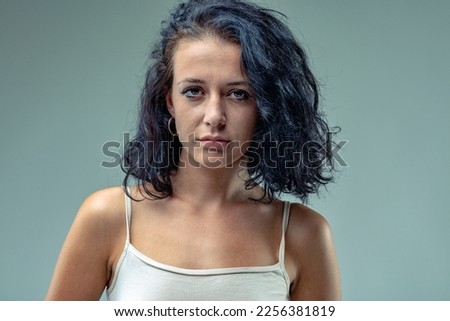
column 246, row 235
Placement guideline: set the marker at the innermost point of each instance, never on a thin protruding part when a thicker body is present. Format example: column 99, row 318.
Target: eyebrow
column 191, row 80
column 199, row 81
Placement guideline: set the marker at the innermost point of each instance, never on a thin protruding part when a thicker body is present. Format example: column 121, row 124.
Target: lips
column 214, row 139
column 214, row 143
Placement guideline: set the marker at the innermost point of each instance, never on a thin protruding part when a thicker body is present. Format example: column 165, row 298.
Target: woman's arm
column 84, row 264
column 311, row 249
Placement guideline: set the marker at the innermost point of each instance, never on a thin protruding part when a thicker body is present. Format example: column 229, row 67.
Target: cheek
column 186, row 123
column 249, row 121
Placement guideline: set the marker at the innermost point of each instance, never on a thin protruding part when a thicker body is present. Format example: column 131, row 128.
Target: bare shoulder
column 105, row 207
column 101, row 216
column 312, row 257
column 305, row 224
column 104, row 202
column 92, row 242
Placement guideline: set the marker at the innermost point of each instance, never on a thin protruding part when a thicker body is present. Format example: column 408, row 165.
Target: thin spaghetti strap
column 284, row 225
column 128, row 213
column 282, row 250
column 286, row 212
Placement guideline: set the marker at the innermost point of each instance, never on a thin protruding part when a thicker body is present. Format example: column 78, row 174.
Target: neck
column 200, row 184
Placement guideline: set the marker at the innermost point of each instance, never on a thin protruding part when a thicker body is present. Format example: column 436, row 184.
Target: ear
column 169, row 103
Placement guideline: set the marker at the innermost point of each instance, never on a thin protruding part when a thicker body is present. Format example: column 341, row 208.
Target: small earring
column 169, row 126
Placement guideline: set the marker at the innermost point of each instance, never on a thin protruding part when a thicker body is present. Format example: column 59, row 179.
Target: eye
column 192, row 92
column 240, row 95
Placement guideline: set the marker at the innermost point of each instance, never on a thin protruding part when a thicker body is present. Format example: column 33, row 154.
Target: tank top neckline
column 279, row 265
column 206, row 271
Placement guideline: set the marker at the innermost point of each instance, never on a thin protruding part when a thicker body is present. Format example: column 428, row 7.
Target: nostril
column 215, row 120
column 219, row 123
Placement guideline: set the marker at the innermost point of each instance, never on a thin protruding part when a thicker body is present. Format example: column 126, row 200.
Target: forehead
column 207, row 56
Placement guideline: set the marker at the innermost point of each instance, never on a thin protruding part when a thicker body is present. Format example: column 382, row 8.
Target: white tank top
column 138, row 277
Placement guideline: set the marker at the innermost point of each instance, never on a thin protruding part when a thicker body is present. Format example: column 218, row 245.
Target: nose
column 214, row 112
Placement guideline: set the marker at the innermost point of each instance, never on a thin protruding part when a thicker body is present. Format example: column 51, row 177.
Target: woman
column 229, row 120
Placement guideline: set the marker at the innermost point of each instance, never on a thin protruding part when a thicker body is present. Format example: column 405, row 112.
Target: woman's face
column 212, row 102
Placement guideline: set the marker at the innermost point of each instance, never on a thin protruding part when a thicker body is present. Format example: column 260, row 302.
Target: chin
column 216, row 162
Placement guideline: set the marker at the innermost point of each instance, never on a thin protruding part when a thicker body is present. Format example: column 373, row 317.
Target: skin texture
column 202, row 223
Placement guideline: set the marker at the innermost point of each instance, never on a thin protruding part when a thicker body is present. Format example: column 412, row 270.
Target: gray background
column 70, row 76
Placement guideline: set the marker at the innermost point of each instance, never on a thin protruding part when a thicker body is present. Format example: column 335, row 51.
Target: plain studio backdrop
column 70, row 78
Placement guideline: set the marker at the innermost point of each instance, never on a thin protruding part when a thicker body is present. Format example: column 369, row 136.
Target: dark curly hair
column 286, row 92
